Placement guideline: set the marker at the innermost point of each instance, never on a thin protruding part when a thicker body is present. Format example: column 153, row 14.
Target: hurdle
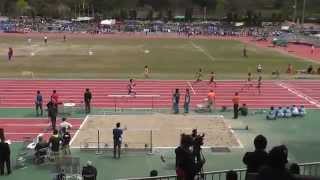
column 118, row 97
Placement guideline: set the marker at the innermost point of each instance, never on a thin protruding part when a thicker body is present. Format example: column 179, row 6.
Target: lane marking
column 78, row 131
column 203, row 51
column 300, row 94
column 190, row 85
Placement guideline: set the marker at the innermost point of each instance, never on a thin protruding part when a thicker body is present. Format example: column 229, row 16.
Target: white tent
column 108, row 22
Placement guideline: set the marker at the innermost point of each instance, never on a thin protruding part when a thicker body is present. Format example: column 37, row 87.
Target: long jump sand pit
column 158, row 130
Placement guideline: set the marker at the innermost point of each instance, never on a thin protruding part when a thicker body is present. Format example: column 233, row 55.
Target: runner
column 259, row 84
column 131, row 86
column 199, row 75
column 248, row 83
column 213, row 79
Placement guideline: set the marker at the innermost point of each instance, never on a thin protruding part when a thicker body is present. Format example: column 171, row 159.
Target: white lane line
column 190, row 85
column 203, row 51
column 81, row 126
column 300, row 94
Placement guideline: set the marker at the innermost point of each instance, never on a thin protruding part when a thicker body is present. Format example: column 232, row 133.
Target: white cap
column 89, row 163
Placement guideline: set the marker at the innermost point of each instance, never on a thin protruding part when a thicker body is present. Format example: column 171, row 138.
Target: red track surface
column 17, row 129
column 21, row 93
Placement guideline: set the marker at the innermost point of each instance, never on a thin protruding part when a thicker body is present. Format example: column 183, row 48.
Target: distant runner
column 131, row 86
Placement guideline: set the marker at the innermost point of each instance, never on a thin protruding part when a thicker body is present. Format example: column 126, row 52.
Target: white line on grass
column 190, row 85
column 203, row 51
column 80, row 128
column 300, row 94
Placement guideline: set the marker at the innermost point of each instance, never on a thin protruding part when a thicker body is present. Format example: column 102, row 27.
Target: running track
column 17, row 129
column 21, row 93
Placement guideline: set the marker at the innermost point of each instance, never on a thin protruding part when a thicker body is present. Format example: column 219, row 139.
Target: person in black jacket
column 87, row 101
column 186, row 167
column 255, row 160
column 276, row 165
column 89, row 172
column 4, row 156
column 52, row 113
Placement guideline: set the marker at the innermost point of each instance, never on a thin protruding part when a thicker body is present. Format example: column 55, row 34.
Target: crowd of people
column 286, row 112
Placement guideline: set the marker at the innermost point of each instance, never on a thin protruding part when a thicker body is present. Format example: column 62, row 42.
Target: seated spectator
column 153, row 173
column 287, row 112
column 243, row 110
column 54, row 143
column 89, row 172
column 276, row 165
column 231, row 175
column 310, row 69
column 272, row 115
column 255, row 160
column 302, row 111
column 280, row 113
column 66, row 138
column 41, row 150
column 294, row 169
column 295, row 111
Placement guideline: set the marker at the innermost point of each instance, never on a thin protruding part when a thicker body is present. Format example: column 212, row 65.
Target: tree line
column 233, row 10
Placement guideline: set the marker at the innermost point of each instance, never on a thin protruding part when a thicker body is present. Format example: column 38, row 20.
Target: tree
column 22, row 6
column 220, row 8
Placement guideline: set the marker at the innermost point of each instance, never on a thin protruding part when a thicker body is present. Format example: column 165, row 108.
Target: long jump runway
column 21, row 93
column 19, row 129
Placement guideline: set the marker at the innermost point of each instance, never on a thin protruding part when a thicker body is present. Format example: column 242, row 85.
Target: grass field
column 123, row 58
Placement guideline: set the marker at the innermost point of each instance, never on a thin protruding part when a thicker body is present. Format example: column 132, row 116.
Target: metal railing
column 309, row 169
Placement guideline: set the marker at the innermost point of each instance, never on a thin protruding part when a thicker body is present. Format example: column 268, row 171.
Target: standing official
column 236, row 101
column 4, row 155
column 39, row 102
column 87, row 101
column 117, row 140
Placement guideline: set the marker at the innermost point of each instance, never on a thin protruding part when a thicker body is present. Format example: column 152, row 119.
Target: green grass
column 123, row 58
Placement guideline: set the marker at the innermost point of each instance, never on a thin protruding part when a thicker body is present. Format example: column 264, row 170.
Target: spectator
column 280, row 113
column 231, row 175
column 154, row 173
column 89, row 172
column 294, row 169
column 302, row 111
column 186, row 167
column 318, row 70
column 39, row 102
column 117, row 140
column 243, row 110
column 176, row 99
column 276, row 165
column 295, row 111
column 272, row 115
column 66, row 138
column 52, row 113
column 255, row 160
column 87, row 101
column 236, row 101
column 54, row 143
column 41, row 150
column 4, row 156
column 287, row 112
